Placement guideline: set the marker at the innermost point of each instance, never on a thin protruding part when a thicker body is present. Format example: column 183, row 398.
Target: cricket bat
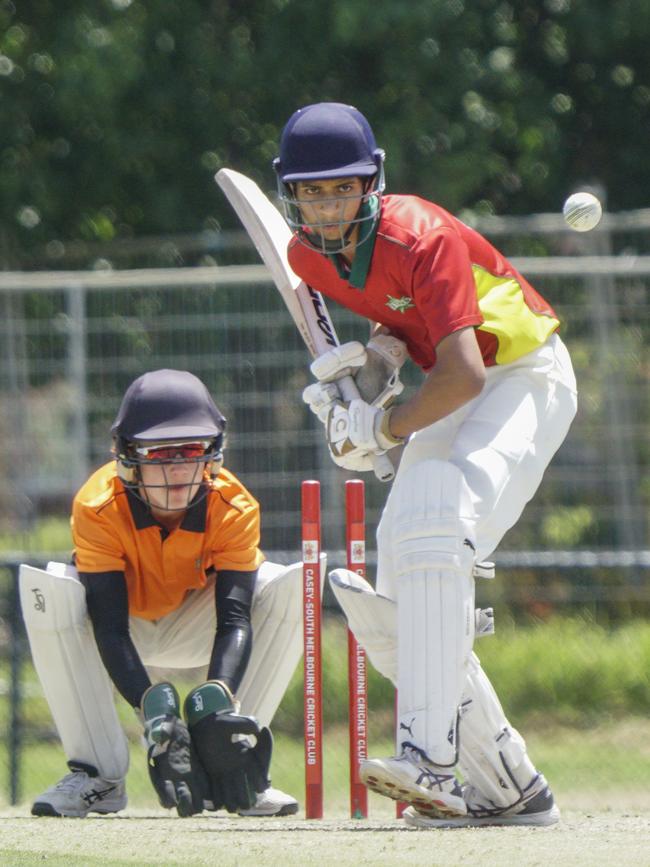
column 270, row 233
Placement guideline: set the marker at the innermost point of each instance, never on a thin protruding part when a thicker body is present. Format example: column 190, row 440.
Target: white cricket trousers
column 502, row 442
column 184, row 638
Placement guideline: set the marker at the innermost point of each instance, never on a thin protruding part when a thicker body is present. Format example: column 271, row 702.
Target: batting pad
column 492, row 755
column 74, row 680
column 277, row 639
column 432, row 521
column 371, row 618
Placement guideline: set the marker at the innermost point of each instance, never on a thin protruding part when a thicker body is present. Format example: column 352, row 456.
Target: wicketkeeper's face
column 328, row 207
column 171, row 476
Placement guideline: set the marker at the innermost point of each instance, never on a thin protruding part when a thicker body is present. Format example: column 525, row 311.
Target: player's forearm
column 123, row 665
column 230, row 655
column 108, row 609
column 234, row 638
column 457, row 378
column 443, row 392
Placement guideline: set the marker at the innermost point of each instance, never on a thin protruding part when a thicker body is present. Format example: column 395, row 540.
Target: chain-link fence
column 71, row 342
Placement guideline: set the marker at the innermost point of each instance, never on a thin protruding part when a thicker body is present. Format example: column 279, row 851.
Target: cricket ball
column 582, row 212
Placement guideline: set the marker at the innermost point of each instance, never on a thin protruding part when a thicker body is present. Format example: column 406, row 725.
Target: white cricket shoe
column 410, row 777
column 536, row 807
column 78, row 794
column 272, row 802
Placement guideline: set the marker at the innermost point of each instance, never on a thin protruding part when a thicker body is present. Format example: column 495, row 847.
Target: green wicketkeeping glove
column 233, row 749
column 174, row 768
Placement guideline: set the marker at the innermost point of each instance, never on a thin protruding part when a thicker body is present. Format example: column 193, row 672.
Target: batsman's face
column 330, row 206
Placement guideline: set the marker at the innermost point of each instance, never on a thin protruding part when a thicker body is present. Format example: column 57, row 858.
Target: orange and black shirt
column 114, row 532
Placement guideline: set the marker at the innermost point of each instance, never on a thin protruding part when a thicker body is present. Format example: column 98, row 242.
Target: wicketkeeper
column 496, row 400
column 166, row 573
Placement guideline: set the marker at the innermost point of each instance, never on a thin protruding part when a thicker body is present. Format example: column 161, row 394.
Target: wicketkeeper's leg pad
column 75, row 683
column 492, row 754
column 277, row 639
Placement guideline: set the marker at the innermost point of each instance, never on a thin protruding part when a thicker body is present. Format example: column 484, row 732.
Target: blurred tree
column 116, row 113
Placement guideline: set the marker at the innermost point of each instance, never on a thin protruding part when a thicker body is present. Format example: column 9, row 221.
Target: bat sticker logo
column 321, row 319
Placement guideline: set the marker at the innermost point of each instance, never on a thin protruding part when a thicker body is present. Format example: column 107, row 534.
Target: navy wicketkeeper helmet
column 166, row 406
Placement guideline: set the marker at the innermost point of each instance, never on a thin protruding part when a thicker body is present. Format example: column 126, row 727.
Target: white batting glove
column 345, row 453
column 359, row 428
column 319, row 397
column 390, row 348
column 375, row 369
column 378, row 380
column 343, row 360
column 358, row 462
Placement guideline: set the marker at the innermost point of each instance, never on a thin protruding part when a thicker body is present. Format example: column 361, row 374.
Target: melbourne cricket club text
column 360, row 700
column 310, row 667
column 312, row 657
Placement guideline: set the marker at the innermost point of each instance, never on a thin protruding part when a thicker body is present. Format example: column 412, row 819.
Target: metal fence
column 71, row 342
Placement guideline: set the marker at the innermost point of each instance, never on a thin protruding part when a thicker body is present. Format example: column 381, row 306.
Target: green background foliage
column 116, row 113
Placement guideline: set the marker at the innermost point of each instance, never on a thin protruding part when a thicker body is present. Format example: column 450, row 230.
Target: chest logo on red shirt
column 400, row 305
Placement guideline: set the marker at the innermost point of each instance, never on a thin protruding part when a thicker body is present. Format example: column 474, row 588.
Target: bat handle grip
column 381, row 464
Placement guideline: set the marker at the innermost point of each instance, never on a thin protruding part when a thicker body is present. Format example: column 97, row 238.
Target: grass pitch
column 156, row 839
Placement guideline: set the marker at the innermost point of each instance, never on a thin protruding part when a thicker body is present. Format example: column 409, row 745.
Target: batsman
column 166, row 573
column 496, row 400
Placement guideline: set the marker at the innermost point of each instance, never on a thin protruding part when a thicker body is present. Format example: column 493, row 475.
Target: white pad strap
column 277, row 639
column 371, row 618
column 433, row 537
column 74, row 680
column 492, row 754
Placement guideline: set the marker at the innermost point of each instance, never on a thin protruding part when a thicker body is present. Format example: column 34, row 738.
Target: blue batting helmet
column 327, row 140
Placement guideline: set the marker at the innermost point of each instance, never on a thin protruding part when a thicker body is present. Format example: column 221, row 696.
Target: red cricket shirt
column 425, row 274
